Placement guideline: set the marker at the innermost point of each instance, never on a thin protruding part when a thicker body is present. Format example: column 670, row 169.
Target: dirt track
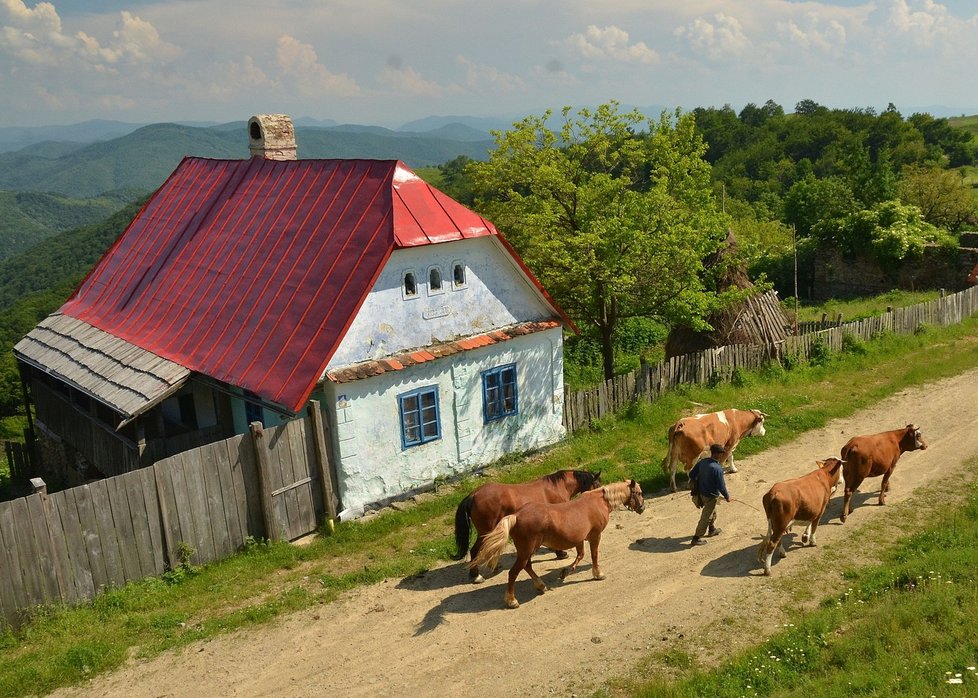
column 439, row 636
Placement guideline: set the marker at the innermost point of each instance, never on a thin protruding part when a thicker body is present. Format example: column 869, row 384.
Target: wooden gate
column 294, row 476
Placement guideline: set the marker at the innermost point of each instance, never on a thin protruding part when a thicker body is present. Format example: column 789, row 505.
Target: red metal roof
column 242, row 270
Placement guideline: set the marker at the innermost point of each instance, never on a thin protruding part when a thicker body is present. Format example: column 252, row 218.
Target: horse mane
column 617, row 492
column 555, row 478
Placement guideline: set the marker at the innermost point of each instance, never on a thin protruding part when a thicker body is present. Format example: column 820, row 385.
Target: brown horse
column 557, row 526
column 485, row 506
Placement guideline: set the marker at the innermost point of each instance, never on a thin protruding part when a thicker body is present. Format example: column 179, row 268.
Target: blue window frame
column 420, row 422
column 499, row 394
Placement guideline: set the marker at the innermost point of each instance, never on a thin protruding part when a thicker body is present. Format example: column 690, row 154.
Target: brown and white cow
column 873, row 455
column 691, row 436
column 800, row 500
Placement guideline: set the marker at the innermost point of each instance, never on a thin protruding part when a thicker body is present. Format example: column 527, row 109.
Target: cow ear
column 820, row 463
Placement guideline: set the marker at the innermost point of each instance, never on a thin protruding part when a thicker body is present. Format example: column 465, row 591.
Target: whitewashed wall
column 496, row 294
column 373, row 466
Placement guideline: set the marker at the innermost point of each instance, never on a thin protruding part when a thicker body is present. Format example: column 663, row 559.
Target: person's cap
column 716, row 449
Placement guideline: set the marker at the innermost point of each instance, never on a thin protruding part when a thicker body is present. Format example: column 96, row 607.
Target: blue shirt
column 709, row 474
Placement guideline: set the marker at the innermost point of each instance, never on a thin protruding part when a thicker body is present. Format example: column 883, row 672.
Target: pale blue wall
column 497, row 293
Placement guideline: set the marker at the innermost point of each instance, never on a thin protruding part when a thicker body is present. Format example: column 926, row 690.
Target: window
column 434, row 281
column 410, row 284
column 253, row 409
column 458, row 275
column 419, row 416
column 499, row 397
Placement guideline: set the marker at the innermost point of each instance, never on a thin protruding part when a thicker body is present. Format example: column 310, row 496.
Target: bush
column 820, row 354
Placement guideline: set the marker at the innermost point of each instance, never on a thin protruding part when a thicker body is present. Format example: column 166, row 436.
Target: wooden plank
column 13, row 593
column 166, row 503
column 210, row 466
column 197, row 499
column 123, row 528
column 224, row 466
column 44, row 559
column 59, row 549
column 133, row 484
column 247, row 477
column 303, row 469
column 81, row 572
column 178, row 506
column 106, row 533
column 25, row 554
column 154, row 518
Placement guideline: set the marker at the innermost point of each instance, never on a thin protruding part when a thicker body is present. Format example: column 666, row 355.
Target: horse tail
column 493, row 544
column 463, row 519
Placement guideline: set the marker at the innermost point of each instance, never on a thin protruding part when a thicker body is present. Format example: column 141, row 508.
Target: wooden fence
column 194, row 507
column 203, row 505
column 582, row 408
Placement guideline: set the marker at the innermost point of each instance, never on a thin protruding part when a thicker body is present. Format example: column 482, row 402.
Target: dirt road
column 439, row 636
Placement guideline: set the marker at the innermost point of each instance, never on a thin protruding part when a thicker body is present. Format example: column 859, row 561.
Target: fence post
column 171, row 554
column 261, row 461
column 323, row 463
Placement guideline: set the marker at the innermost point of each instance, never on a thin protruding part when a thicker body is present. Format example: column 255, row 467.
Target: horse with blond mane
column 558, row 526
column 486, row 505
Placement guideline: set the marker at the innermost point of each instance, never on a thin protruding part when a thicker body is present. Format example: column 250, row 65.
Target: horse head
column 587, row 480
column 635, row 501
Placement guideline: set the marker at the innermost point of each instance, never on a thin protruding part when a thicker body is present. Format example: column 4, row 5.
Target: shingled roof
column 242, row 270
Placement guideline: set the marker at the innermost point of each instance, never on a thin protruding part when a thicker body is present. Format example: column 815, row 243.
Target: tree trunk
column 608, row 350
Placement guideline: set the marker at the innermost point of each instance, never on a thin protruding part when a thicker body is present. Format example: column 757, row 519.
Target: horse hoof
column 512, row 603
column 478, row 580
column 599, row 577
column 767, row 572
column 562, row 555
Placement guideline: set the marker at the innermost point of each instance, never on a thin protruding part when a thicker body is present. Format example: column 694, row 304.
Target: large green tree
column 613, row 212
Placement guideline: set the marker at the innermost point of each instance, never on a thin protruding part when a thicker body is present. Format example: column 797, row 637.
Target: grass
column 903, row 627
column 859, row 308
column 62, row 646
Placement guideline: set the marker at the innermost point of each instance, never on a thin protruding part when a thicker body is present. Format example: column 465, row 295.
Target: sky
column 387, row 62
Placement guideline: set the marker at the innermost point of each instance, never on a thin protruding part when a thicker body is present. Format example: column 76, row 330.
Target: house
column 245, row 288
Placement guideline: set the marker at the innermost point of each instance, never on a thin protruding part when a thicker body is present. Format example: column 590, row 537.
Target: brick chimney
column 271, row 136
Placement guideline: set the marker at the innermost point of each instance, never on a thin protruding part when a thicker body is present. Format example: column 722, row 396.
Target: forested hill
column 144, row 158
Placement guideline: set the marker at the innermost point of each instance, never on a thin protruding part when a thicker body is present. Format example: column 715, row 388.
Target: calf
column 801, row 500
column 873, row 455
column 691, row 436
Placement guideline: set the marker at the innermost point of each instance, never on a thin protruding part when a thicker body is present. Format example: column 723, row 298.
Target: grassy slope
column 64, row 646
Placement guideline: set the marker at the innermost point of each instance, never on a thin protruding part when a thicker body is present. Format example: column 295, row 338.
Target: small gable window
column 434, row 280
column 458, row 275
column 419, row 416
column 499, row 394
column 410, row 288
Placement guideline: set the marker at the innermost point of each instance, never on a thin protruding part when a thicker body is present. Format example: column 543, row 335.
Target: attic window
column 255, row 131
column 434, row 281
column 458, row 275
column 410, row 287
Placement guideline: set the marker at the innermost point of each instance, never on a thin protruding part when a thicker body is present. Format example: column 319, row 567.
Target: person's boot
column 696, row 540
column 712, row 531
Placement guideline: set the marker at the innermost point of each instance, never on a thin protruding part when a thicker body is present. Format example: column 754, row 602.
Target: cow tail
column 463, row 521
column 493, row 544
column 672, row 458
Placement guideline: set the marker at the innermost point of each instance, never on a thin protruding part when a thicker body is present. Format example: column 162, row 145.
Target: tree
column 614, row 221
column 811, row 200
column 943, row 196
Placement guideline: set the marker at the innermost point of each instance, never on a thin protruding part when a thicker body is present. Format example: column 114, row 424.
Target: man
column 706, row 479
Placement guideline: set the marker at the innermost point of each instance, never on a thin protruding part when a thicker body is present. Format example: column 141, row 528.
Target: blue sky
column 387, row 62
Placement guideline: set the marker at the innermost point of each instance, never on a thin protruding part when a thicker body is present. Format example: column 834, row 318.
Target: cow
column 691, row 436
column 800, row 500
column 872, row 455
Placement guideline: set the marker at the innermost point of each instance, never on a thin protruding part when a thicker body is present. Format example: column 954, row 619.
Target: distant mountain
column 17, row 137
column 482, row 124
column 27, row 218
column 141, row 160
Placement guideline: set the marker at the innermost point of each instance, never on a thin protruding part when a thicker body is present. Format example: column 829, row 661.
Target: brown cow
column 691, row 436
column 801, row 500
column 873, row 455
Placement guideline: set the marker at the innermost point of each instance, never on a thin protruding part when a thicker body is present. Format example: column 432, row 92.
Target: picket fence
column 649, row 382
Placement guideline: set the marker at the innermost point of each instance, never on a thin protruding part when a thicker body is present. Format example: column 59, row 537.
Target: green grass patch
column 859, row 308
column 61, row 646
column 901, row 628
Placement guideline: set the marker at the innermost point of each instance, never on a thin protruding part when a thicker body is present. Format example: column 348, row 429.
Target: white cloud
column 610, row 43
column 812, row 32
column 929, row 24
column 719, row 39
column 300, row 62
column 479, row 76
column 406, row 80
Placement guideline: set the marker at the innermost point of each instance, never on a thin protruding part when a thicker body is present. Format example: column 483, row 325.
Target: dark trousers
column 708, row 515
